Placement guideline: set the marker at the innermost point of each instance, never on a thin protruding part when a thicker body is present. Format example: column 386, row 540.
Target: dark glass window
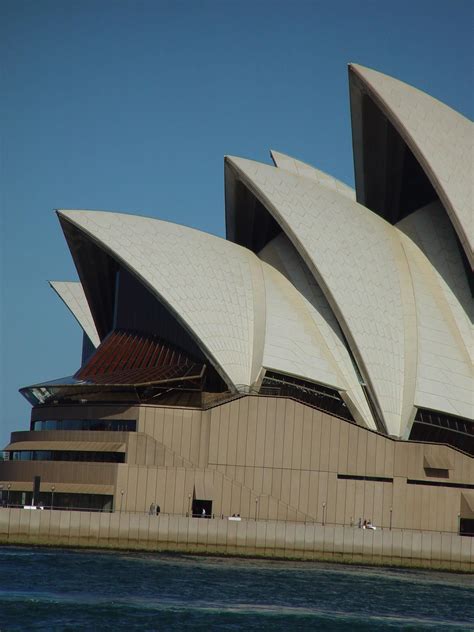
column 60, row 500
column 466, row 527
column 321, row 397
column 67, row 455
column 434, row 427
column 355, row 477
column 109, row 425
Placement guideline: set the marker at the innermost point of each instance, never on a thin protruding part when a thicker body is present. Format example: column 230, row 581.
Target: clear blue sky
column 131, row 105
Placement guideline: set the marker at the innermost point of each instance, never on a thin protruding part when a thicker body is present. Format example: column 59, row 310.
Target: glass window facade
column 321, row 397
column 60, row 500
column 436, row 427
column 67, row 455
column 108, row 425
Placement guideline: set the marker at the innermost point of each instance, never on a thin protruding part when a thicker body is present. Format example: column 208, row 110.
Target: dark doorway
column 202, row 508
column 466, row 526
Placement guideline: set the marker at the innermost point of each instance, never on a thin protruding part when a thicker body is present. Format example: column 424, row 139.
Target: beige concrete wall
column 248, row 537
column 170, row 487
column 295, row 453
column 265, row 456
column 181, row 430
column 281, row 459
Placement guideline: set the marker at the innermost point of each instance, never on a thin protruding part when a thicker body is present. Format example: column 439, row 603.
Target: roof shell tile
column 299, row 168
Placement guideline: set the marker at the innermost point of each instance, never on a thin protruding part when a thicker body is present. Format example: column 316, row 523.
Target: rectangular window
column 412, row 481
column 353, row 477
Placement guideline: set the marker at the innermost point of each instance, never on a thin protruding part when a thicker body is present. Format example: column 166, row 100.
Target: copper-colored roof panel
column 127, row 357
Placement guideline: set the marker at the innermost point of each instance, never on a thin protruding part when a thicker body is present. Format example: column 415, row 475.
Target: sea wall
column 273, row 539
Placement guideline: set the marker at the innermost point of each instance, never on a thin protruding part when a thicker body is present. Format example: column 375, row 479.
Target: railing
column 225, row 517
column 217, row 399
column 224, row 398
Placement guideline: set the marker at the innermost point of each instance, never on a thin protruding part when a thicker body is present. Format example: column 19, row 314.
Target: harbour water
column 56, row 589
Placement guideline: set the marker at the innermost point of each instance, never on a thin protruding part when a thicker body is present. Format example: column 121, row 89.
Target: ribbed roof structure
column 134, row 359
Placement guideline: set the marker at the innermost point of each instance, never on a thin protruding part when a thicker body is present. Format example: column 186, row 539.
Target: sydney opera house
column 315, row 365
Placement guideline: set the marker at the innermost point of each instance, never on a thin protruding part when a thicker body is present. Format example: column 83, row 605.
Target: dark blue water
column 45, row 589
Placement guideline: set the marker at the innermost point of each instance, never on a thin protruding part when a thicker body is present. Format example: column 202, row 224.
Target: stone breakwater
column 272, row 539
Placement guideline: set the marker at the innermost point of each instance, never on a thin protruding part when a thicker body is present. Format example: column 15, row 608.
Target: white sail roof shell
column 281, row 254
column 293, row 344
column 213, row 288
column 243, row 313
column 441, row 139
column 357, row 259
column 72, row 295
column 444, row 310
